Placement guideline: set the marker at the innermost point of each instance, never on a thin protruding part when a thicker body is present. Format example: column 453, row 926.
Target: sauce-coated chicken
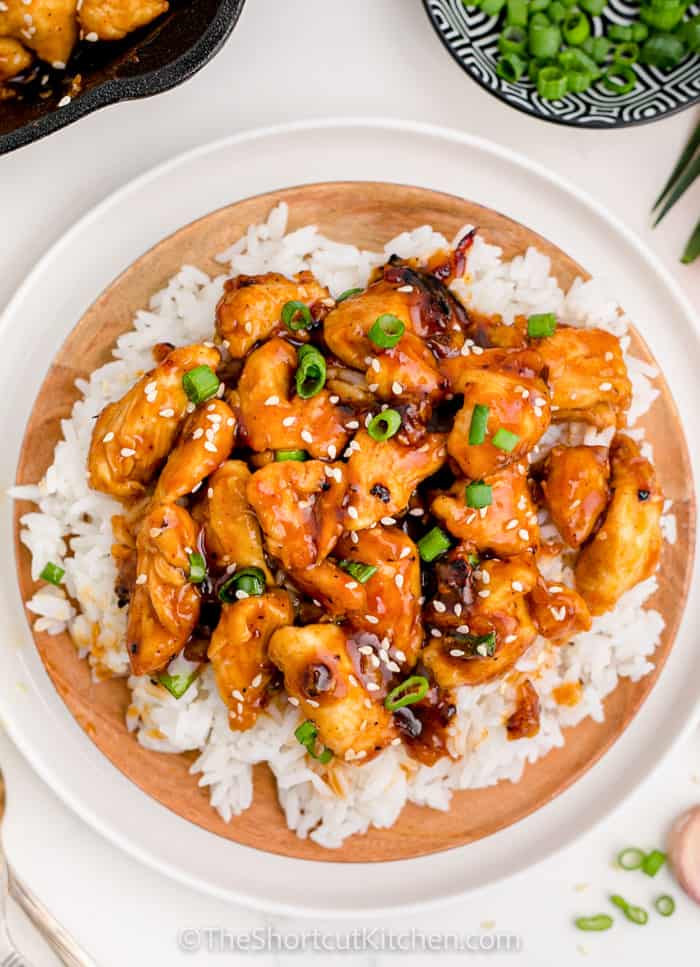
column 587, row 376
column 165, row 605
column 48, row 27
column 510, row 384
column 231, row 530
column 132, row 437
column 299, row 506
column 626, row 548
column 238, row 653
column 14, row 58
column 407, row 371
column 524, row 721
column 559, row 612
column 250, row 309
column 114, row 19
column 274, row 418
column 319, row 674
column 575, row 488
column 507, row 527
column 382, row 475
column 205, row 442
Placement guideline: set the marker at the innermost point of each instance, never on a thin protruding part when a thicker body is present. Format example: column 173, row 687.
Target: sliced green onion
column 620, row 33
column 630, row 858
column 433, row 544
column 619, row 78
column 407, row 693
column 626, row 53
column 361, row 572
column 653, row 862
column 556, row 12
column 544, row 39
column 541, row 325
column 505, row 440
column 663, row 19
column 477, row 427
column 692, row 249
column 516, row 13
column 492, row 7
column 537, row 6
column 482, row 645
column 665, row 905
column 640, row 32
column 349, row 292
column 200, row 384
column 575, row 59
column 691, row 34
column 601, row 921
column 594, row 7
column 296, row 315
column 306, row 735
column 198, row 570
column 635, row 914
column 512, row 40
column 578, row 81
column 478, row 494
column 473, row 560
column 310, row 376
column 384, row 425
column 52, row 573
column 551, row 83
column 663, row 51
column 597, row 48
column 249, row 580
column 177, row 685
column 511, row 67
column 576, row 28
column 386, row 331
column 282, row 455
column 535, row 66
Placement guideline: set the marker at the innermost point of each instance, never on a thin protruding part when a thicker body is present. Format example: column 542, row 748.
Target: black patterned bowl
column 471, row 38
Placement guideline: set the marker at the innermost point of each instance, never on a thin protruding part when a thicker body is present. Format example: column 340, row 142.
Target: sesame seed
column 332, row 451
column 555, row 588
column 398, row 580
column 399, row 655
column 237, row 694
column 352, row 425
column 150, row 387
column 405, row 288
column 141, row 579
column 230, row 421
column 435, row 633
column 405, row 552
column 127, row 452
column 482, row 512
column 396, row 741
column 292, row 700
column 604, row 387
column 463, row 629
column 312, row 702
column 575, row 504
column 289, row 421
column 416, row 512
column 58, row 65
column 372, row 619
column 485, row 593
column 248, row 327
column 372, row 687
column 354, row 536
column 241, row 595
column 65, row 101
column 211, row 447
column 516, row 586
column 272, row 401
column 485, row 577
column 440, row 607
column 388, row 521
column 352, row 512
column 167, row 413
column 509, row 639
column 91, row 37
column 477, row 350
column 396, row 388
column 465, row 350
column 256, row 681
column 365, row 649
column 334, row 399
column 306, row 436
column 456, row 652
column 190, row 408
column 373, row 387
column 539, row 402
column 458, row 609
column 210, row 492
column 523, row 534
column 107, row 437
column 608, row 356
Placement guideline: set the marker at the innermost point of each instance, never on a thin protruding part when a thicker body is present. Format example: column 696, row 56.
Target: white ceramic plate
column 71, row 276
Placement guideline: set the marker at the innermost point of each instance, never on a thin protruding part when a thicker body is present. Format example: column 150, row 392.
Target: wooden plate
column 366, row 214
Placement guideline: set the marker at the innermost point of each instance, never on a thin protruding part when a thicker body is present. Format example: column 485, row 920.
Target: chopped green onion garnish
column 626, row 53
column 692, row 248
column 306, row 735
column 198, row 569
column 541, row 325
column 482, row 645
column 511, row 67
column 407, row 693
column 177, row 685
column 594, row 7
column 52, row 573
column 478, row 495
column 653, row 862
column 384, row 425
column 630, row 858
column 551, row 83
column 361, row 572
column 619, row 78
column 281, row 455
column 200, row 384
column 620, row 33
column 433, row 544
column 296, row 315
column 576, row 28
column 386, row 331
column 662, row 50
column 505, row 440
column 516, row 13
column 249, row 580
column 310, row 376
column 473, row 560
column 346, row 295
column 492, row 7
column 665, row 905
column 512, row 40
column 477, row 427
column 601, row 921
column 544, row 39
column 635, row 914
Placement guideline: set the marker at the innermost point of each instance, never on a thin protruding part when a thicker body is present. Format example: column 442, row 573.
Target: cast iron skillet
column 151, row 60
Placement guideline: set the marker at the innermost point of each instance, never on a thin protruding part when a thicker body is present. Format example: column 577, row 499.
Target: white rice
column 72, row 528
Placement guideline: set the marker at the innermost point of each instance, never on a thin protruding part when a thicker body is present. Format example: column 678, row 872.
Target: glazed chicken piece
column 454, row 592
column 250, row 309
column 238, row 653
column 51, row 32
column 559, row 612
column 382, row 476
column 627, row 547
column 587, row 376
column 205, row 442
column 274, row 418
column 492, row 332
column 231, row 530
column 509, row 526
column 299, row 507
column 524, row 721
column 349, row 386
column 391, row 609
column 335, row 591
column 319, row 673
column 510, row 384
column 407, row 371
column 165, row 605
column 132, row 437
column 496, row 629
column 14, row 58
column 114, row 19
column 575, row 489
column 346, row 327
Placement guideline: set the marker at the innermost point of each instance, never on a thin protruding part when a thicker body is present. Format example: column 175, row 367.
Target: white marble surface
column 313, row 58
